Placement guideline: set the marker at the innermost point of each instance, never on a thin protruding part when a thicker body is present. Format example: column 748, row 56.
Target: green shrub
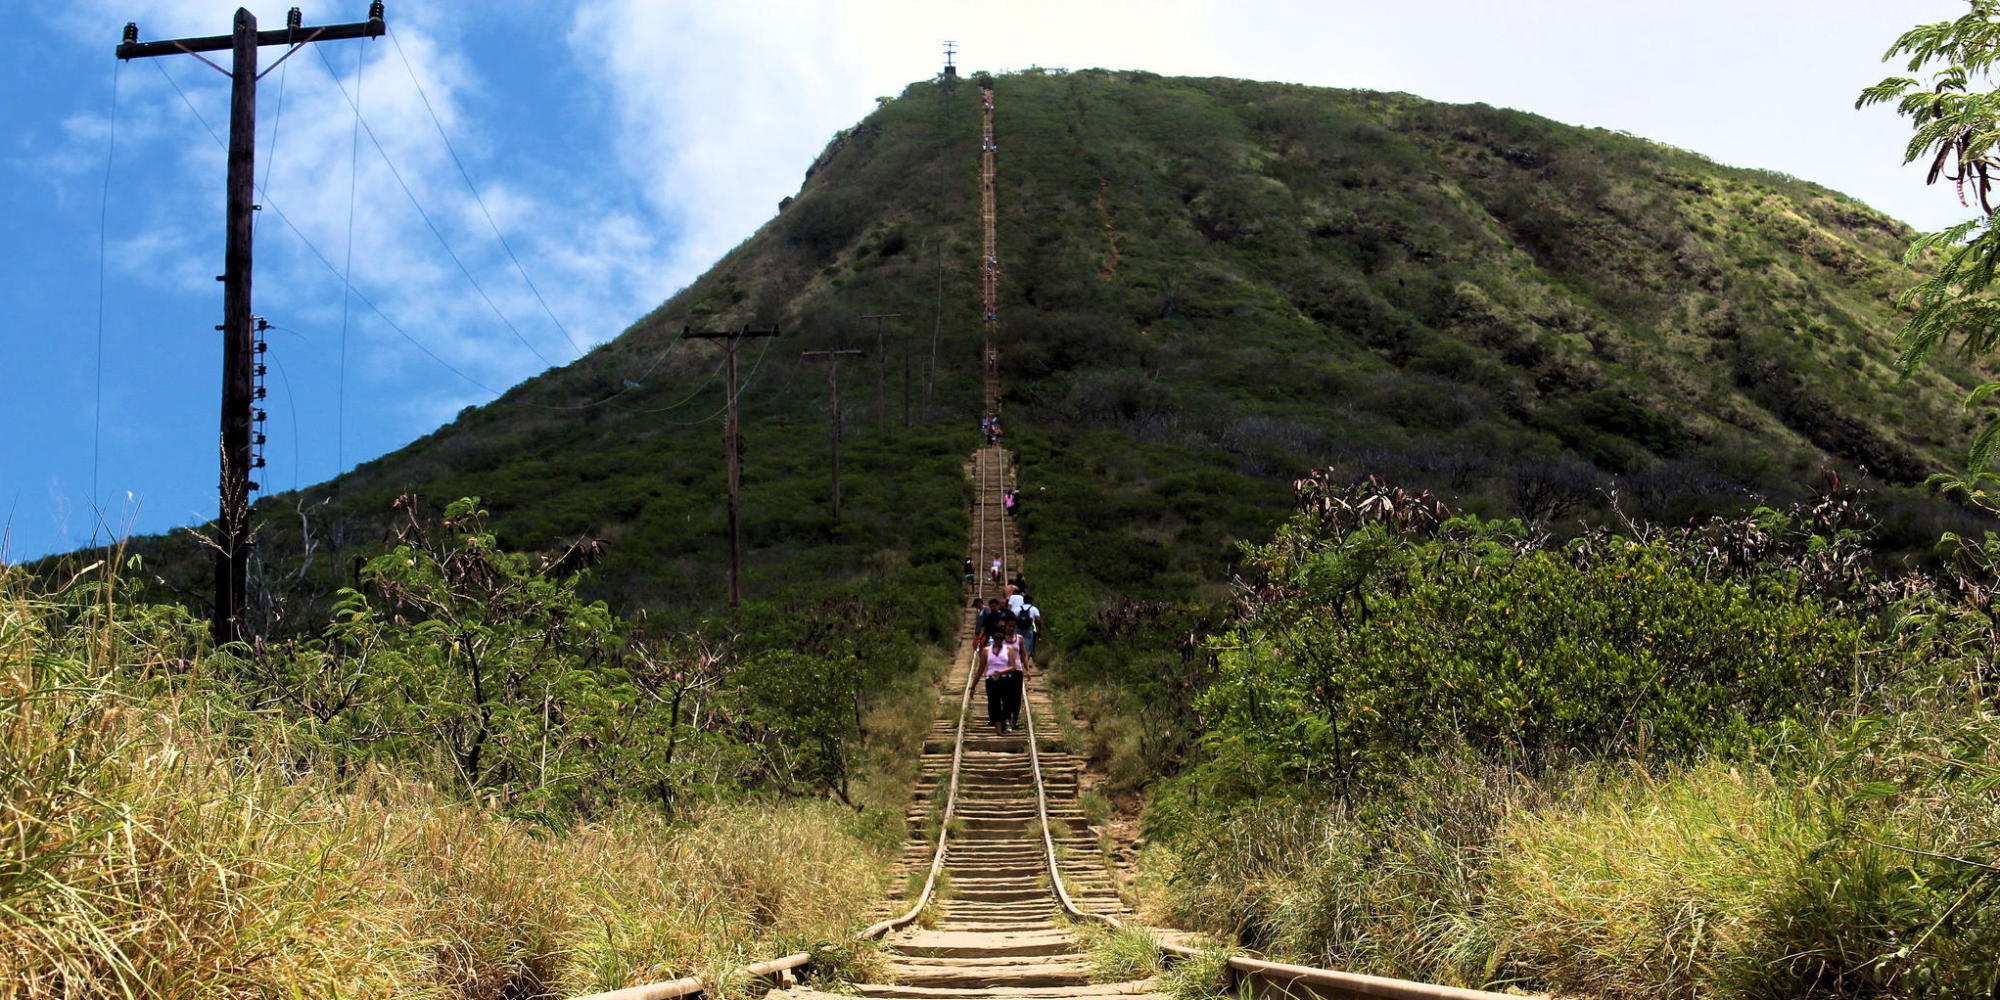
column 1369, row 645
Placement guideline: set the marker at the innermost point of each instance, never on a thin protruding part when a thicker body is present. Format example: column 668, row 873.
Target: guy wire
column 347, row 279
column 103, row 223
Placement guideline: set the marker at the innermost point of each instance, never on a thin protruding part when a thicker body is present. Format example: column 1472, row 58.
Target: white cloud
column 398, row 262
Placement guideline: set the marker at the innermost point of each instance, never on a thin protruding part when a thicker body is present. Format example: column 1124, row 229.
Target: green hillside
column 1209, row 287
column 1523, row 731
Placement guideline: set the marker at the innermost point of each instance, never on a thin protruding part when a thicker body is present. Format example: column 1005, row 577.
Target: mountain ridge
column 1209, row 286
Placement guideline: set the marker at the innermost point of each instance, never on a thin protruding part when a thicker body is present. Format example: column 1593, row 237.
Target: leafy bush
column 485, row 669
column 1651, row 766
column 1367, row 643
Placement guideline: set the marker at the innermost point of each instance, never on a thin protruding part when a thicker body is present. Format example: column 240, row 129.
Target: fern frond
column 1984, row 447
column 1887, row 90
column 1979, row 394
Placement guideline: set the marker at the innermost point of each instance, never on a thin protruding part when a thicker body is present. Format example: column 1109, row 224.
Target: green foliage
column 167, row 843
column 1953, row 115
column 1368, row 644
column 486, row 669
column 1724, row 761
column 1124, row 955
column 1204, row 976
column 493, row 658
column 1210, row 285
column 1781, row 877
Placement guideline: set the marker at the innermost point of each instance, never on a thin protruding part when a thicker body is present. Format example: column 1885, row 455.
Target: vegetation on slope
column 624, row 445
column 472, row 784
column 1726, row 761
column 1209, row 286
column 1455, row 297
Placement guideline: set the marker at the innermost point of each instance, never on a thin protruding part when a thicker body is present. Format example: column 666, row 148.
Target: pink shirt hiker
column 1004, row 658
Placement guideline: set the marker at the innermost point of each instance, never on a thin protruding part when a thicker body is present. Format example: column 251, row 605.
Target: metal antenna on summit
column 950, row 71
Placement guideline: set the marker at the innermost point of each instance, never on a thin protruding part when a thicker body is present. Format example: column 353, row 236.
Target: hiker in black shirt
column 989, row 621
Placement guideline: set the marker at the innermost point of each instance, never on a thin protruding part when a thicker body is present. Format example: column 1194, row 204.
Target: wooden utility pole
column 732, row 449
column 882, row 373
column 239, row 347
column 833, row 412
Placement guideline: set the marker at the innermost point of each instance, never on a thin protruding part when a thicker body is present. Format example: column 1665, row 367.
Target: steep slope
column 1211, row 285
column 1215, row 280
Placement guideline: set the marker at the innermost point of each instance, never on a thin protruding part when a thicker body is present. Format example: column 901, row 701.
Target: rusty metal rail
column 990, row 475
column 1262, row 978
column 989, row 482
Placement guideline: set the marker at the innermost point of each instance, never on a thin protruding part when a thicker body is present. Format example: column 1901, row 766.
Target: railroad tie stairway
column 994, row 929
column 999, row 854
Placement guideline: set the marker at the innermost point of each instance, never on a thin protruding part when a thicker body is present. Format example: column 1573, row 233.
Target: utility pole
column 882, row 374
column 833, row 412
column 239, row 351
column 732, row 449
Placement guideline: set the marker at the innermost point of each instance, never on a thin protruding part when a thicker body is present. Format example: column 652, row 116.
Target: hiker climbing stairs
column 1001, row 869
column 994, row 926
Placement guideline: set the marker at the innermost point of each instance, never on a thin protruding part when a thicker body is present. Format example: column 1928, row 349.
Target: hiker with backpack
column 1028, row 621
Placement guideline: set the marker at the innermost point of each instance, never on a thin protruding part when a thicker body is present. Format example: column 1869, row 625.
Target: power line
column 435, row 231
column 692, row 393
column 162, row 67
column 103, row 224
column 755, row 366
column 272, row 206
column 469, row 186
column 348, row 287
column 372, row 307
column 291, row 403
column 347, row 273
column 277, row 122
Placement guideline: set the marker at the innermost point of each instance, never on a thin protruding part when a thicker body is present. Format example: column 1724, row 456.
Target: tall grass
column 157, row 842
column 1845, row 868
column 1124, row 955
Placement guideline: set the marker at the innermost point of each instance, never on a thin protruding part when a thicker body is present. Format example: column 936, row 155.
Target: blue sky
column 620, row 146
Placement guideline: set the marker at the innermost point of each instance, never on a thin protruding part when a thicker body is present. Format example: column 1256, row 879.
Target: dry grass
column 1706, row 880
column 162, row 845
column 1731, row 881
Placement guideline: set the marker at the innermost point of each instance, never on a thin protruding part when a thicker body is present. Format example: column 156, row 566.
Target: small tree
column 456, row 650
column 1956, row 116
